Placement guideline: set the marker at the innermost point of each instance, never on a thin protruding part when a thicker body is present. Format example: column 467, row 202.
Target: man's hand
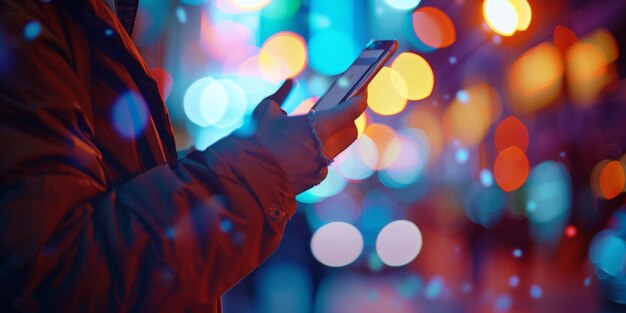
column 290, row 139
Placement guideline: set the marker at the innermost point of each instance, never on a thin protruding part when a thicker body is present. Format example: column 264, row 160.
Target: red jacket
column 91, row 220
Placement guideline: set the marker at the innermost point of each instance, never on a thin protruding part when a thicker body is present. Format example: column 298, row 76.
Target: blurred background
column 489, row 171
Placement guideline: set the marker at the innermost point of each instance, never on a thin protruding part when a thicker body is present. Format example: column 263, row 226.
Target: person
column 98, row 216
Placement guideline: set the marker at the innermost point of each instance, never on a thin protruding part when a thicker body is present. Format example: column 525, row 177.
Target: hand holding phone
column 358, row 75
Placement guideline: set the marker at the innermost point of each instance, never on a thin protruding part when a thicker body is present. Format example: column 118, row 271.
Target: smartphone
column 359, row 74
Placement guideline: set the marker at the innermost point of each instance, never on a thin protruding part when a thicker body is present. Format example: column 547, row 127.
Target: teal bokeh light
column 549, row 192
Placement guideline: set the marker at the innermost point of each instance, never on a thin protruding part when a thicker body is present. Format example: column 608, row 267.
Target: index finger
column 283, row 91
column 344, row 113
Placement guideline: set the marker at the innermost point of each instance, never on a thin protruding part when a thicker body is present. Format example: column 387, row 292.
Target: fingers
column 281, row 94
column 267, row 108
column 271, row 104
column 340, row 140
column 343, row 114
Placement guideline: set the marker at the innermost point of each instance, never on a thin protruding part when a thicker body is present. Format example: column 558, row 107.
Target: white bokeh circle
column 398, row 243
column 337, row 244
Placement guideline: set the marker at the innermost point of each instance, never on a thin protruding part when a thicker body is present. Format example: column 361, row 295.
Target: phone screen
column 344, row 85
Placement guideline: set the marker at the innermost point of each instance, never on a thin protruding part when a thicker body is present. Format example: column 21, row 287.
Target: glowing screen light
column 385, row 93
column 282, row 56
column 501, row 16
column 399, row 243
column 130, row 114
column 511, row 168
column 403, row 4
column 433, row 27
column 337, row 244
column 417, row 75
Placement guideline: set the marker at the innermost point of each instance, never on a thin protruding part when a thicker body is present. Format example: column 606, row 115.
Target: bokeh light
column 485, row 205
column 130, row 115
column 433, row 27
column 225, row 39
column 589, row 70
column 335, row 60
column 403, row 4
column 361, row 123
column 281, row 9
column 282, row 56
column 32, row 30
column 608, row 253
column 501, row 16
column 205, row 102
column 511, row 168
column 417, row 75
column 410, row 162
column 387, row 146
column 608, row 179
column 549, row 200
column 536, row 78
column 469, row 117
column 333, row 184
column 289, row 280
column 524, row 13
column 236, row 105
column 336, row 244
column 386, row 92
column 563, row 38
column 571, row 231
column 238, row 6
column 511, row 132
column 338, row 208
column 359, row 160
column 427, row 119
column 399, row 243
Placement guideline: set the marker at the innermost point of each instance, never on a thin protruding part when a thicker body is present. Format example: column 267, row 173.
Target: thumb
column 344, row 114
column 281, row 94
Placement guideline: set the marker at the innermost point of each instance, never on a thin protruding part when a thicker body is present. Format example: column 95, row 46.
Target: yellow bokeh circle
column 385, row 93
column 417, row 75
column 282, row 56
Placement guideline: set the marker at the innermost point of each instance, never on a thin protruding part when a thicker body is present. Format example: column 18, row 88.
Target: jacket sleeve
column 172, row 237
